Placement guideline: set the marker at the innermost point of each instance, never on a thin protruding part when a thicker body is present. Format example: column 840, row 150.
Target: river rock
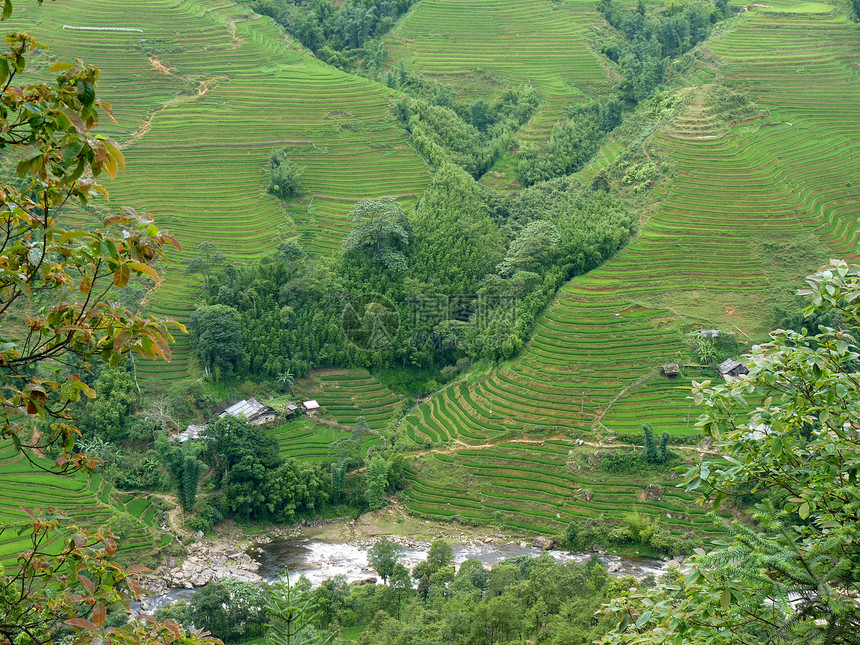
column 597, row 548
column 545, row 544
column 613, row 567
column 206, row 563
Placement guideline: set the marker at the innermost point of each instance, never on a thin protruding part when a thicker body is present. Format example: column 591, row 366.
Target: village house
column 731, row 367
column 310, row 407
column 256, row 413
column 671, row 370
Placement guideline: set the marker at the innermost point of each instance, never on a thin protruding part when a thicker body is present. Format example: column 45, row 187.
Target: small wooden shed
column 671, row 370
column 310, row 407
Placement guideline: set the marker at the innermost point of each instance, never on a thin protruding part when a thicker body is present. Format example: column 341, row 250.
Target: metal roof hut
column 311, row 407
column 731, row 367
column 256, row 413
column 671, row 370
column 190, row 433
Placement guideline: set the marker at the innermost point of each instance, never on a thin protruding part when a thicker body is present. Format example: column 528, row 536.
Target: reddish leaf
column 99, row 614
column 82, row 623
column 87, row 583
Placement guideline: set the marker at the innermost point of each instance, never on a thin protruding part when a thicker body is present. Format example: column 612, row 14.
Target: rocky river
column 320, row 560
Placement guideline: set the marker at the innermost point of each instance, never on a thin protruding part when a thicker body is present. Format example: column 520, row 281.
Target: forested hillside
column 494, row 246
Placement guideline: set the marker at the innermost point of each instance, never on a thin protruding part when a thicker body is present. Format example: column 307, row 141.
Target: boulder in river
column 545, row 544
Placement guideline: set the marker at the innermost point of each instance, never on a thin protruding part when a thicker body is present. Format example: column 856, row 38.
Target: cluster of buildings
column 255, row 412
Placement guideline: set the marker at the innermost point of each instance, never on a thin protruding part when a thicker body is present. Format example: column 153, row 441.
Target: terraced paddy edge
column 346, row 395
column 475, row 43
column 202, row 97
column 303, row 439
column 746, row 216
column 538, row 488
column 88, row 502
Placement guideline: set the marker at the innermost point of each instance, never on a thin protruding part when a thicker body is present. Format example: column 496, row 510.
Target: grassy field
column 202, row 96
column 88, row 502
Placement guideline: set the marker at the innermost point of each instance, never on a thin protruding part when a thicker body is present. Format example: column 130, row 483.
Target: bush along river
column 320, row 560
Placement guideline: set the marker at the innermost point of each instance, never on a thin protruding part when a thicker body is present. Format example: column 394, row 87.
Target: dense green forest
column 463, row 275
column 346, row 35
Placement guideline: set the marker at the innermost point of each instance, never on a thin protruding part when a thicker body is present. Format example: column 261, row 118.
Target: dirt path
column 460, row 445
column 159, row 66
column 174, row 516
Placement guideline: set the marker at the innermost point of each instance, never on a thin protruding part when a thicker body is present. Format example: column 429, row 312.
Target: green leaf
column 7, row 9
column 86, row 93
column 803, row 511
column 68, row 235
column 644, row 618
column 776, row 447
column 725, row 598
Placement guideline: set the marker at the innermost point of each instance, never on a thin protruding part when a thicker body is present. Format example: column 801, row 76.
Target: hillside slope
column 203, row 91
column 747, row 215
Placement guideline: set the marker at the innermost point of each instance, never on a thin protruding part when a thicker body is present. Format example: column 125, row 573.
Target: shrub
column 284, row 176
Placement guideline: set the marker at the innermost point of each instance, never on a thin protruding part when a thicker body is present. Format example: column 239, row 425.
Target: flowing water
column 319, row 560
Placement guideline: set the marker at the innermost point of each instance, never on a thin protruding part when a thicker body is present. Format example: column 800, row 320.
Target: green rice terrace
column 88, row 502
column 312, row 441
column 738, row 207
column 482, row 45
column 746, row 216
column 202, row 93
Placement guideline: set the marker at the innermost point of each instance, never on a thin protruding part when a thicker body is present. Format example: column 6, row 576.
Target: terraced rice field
column 201, row 97
column 531, row 487
column 491, row 43
column 88, row 502
column 305, row 440
column 747, row 215
column 346, row 395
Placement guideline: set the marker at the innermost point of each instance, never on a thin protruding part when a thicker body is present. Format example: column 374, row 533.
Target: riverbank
column 327, row 548
column 230, row 552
